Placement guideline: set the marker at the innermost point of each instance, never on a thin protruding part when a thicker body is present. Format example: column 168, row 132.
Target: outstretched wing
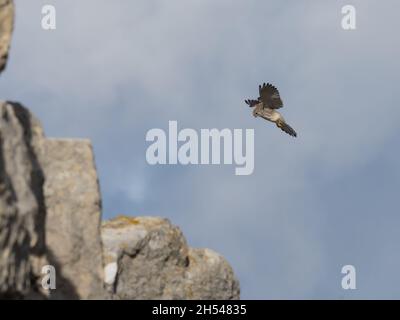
column 269, row 95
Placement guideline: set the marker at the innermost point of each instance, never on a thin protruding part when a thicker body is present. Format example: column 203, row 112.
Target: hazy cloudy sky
column 115, row 69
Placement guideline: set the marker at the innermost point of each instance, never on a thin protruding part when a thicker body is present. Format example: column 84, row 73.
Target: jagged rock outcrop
column 21, row 200
column 50, row 211
column 210, row 277
column 73, row 209
column 6, row 28
column 148, row 258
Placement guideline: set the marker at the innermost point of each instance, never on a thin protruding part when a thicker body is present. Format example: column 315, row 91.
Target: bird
column 265, row 107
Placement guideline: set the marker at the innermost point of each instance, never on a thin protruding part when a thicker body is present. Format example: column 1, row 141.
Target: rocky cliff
column 50, row 215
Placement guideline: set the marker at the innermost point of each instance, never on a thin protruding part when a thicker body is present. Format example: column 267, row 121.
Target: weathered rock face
column 210, row 277
column 73, row 206
column 148, row 258
column 6, row 28
column 22, row 209
column 50, row 211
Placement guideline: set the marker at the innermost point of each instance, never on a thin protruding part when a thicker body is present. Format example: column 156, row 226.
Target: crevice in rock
column 36, row 175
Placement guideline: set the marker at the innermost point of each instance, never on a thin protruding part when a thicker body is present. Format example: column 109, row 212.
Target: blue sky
column 113, row 70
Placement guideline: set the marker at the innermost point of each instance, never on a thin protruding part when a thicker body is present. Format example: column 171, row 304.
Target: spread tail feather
column 285, row 127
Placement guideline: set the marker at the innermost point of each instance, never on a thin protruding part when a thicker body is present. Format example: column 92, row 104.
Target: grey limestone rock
column 22, row 209
column 148, row 258
column 73, row 208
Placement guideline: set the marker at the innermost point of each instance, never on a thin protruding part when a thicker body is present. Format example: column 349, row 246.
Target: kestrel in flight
column 265, row 107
